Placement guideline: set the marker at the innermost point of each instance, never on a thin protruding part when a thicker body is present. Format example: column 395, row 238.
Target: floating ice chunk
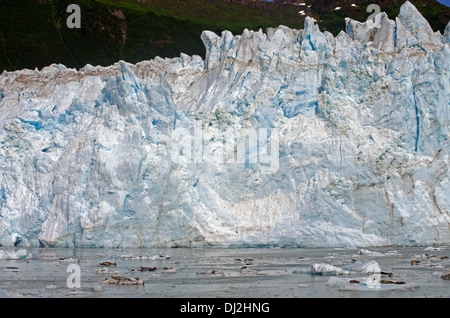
column 51, row 287
column 369, row 267
column 14, row 255
column 97, row 288
column 118, row 280
column 445, row 274
column 159, row 257
column 369, row 253
column 392, row 253
column 430, row 248
column 437, row 274
column 170, row 270
column 327, row 269
column 68, row 260
column 425, row 257
column 23, row 253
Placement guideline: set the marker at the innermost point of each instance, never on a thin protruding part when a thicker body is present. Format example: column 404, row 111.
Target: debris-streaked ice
column 108, row 157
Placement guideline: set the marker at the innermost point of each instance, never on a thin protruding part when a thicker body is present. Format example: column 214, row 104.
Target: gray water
column 223, row 273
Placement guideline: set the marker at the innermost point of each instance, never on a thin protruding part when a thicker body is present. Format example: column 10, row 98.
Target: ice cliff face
column 293, row 137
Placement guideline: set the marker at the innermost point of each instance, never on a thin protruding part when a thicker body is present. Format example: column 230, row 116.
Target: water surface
column 224, row 273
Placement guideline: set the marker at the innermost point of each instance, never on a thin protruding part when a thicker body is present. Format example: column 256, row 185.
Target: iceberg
column 327, row 269
column 283, row 138
column 15, row 254
column 369, row 267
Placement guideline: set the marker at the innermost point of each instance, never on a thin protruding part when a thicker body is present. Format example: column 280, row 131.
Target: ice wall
column 351, row 143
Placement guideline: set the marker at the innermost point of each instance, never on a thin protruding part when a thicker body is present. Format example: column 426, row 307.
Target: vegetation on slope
column 33, row 33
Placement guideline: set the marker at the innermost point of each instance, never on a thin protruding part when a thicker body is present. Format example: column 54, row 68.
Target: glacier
column 174, row 152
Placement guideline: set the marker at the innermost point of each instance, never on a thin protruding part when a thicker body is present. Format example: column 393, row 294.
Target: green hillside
column 33, row 33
